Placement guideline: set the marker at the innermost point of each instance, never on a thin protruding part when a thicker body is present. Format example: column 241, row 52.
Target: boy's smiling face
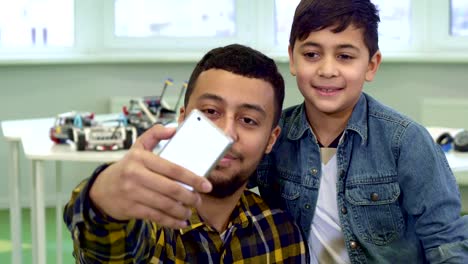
column 331, row 69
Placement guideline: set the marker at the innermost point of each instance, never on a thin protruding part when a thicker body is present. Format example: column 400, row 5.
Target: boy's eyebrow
column 339, row 46
column 348, row 46
column 255, row 107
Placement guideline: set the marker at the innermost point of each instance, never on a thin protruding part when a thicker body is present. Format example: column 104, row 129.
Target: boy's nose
column 327, row 68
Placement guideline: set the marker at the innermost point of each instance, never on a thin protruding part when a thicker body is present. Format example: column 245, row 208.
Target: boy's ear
column 273, row 137
column 373, row 66
column 181, row 115
column 292, row 69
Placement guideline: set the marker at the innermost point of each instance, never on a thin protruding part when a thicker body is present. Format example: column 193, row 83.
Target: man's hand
column 144, row 186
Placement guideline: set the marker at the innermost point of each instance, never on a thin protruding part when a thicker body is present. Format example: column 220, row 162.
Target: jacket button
column 344, row 210
column 314, row 171
column 374, row 197
column 342, row 173
column 307, row 206
column 353, row 244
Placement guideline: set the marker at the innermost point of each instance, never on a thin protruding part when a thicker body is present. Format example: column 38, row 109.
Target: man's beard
column 223, row 188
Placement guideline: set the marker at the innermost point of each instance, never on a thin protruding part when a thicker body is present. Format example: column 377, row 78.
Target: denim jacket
column 398, row 200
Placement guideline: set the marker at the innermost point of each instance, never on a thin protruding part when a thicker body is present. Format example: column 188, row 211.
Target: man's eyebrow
column 209, row 96
column 254, row 107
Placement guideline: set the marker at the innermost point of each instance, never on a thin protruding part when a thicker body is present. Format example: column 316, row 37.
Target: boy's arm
column 101, row 239
column 431, row 195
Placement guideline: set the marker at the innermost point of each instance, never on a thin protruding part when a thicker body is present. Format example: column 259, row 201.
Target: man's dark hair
column 244, row 61
column 315, row 15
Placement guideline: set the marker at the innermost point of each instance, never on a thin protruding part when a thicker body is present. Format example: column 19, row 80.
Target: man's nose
column 228, row 125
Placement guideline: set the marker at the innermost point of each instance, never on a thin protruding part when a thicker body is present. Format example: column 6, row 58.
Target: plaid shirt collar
column 241, row 217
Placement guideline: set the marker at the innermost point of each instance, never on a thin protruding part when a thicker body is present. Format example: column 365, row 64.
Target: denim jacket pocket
column 376, row 215
column 290, row 193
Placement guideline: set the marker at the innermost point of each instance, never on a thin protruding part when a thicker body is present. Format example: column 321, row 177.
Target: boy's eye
column 345, row 57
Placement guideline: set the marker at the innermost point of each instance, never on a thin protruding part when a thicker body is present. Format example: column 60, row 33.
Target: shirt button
column 353, row 244
column 314, row 171
column 374, row 197
column 76, row 234
column 344, row 210
column 307, row 206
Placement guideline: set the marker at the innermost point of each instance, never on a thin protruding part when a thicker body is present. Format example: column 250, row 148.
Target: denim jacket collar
column 357, row 122
column 299, row 123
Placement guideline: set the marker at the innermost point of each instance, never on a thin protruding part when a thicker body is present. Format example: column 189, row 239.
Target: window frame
column 244, row 34
column 95, row 41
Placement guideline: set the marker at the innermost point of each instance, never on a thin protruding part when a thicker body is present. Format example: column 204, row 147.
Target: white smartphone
column 198, row 145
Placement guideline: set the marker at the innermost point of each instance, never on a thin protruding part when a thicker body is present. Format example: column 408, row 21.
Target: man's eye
column 249, row 121
column 209, row 111
column 311, row 55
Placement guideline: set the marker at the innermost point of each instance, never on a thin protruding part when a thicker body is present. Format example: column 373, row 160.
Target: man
column 116, row 215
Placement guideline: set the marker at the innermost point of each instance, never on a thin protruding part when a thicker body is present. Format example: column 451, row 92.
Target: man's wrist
column 94, row 213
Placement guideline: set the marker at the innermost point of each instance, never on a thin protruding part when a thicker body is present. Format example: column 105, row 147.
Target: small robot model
column 150, row 110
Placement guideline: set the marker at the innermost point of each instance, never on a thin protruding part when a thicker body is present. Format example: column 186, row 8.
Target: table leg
column 15, row 205
column 58, row 210
column 40, row 211
column 33, row 214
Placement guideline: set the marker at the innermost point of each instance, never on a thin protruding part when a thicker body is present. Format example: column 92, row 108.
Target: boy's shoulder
column 379, row 110
column 293, row 116
column 382, row 119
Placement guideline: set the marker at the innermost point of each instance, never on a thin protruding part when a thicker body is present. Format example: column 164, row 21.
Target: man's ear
column 272, row 139
column 181, row 115
column 373, row 66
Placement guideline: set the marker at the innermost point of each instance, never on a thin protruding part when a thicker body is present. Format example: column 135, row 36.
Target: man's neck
column 216, row 212
column 327, row 127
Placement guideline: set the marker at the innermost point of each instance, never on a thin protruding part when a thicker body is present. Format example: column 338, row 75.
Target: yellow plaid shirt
column 255, row 234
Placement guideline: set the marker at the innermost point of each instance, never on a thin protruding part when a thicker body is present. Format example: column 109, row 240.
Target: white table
column 38, row 150
column 458, row 161
column 35, row 130
column 13, row 132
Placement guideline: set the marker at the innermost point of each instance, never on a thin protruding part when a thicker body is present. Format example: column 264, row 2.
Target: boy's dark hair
column 314, row 15
column 244, row 61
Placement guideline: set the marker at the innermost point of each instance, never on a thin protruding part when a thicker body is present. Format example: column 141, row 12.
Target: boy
column 114, row 216
column 365, row 183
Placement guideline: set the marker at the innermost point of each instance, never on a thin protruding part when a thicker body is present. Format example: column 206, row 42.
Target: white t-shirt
column 326, row 241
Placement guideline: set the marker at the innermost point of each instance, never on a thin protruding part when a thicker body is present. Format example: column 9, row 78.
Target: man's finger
column 177, row 173
column 157, row 216
column 161, row 202
column 168, row 187
column 151, row 137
